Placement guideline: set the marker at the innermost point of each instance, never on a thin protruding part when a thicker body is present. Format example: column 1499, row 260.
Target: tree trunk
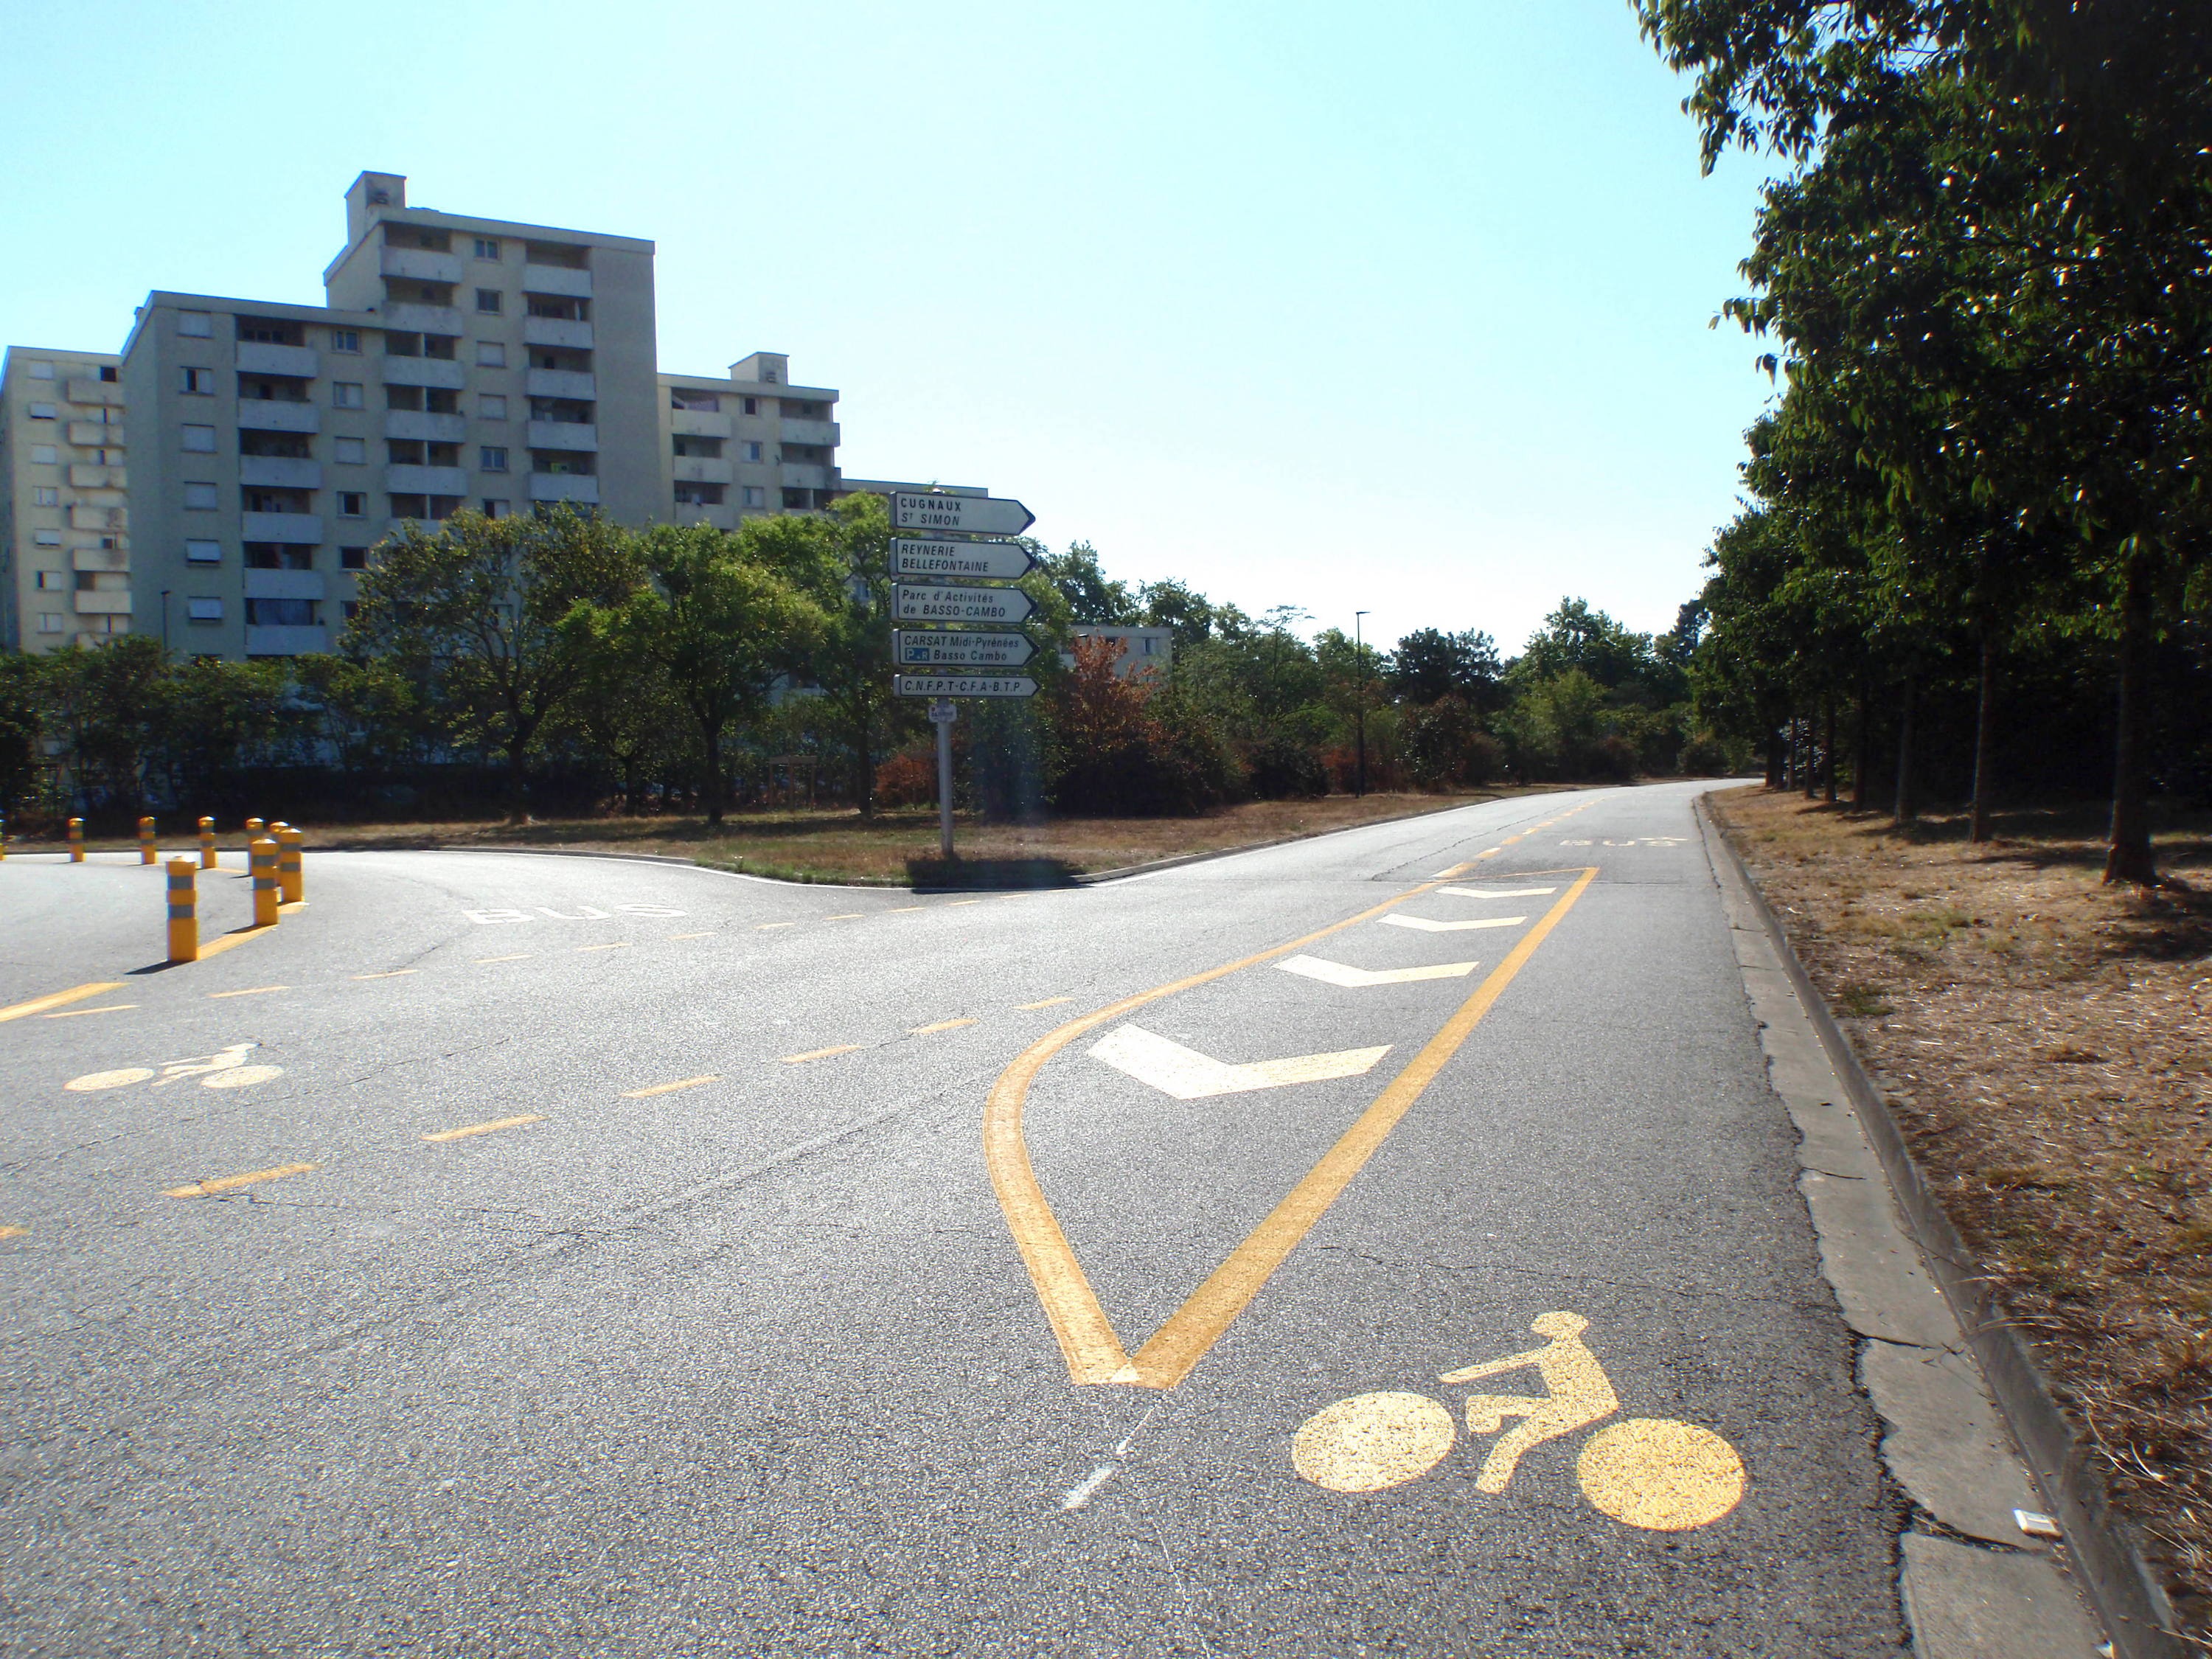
column 715, row 783
column 1907, row 808
column 1809, row 767
column 1862, row 750
column 2129, row 856
column 1774, row 757
column 517, row 798
column 1828, row 757
column 1985, row 721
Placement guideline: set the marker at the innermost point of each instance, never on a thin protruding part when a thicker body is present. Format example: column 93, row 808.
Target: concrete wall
column 62, row 561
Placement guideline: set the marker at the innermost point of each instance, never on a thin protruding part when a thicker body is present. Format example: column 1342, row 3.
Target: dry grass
column 2047, row 1042
column 800, row 844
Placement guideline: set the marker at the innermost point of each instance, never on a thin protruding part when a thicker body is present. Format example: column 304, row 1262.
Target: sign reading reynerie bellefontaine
column 981, row 515
column 964, row 686
column 913, row 648
column 932, row 604
column 973, row 561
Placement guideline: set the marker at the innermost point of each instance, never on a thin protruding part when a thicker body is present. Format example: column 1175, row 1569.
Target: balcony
column 443, row 373
column 423, row 263
column 699, row 469
column 698, row 423
column 425, row 428
column 113, row 602
column 298, row 528
column 557, row 332
column 100, row 558
column 280, row 471
column 423, row 481
column 98, row 517
column 293, row 362
column 423, row 320
column 582, row 386
column 810, row 432
column 93, row 435
column 286, row 641
column 263, row 415
column 798, row 476
column 564, row 487
column 556, row 279
column 563, row 434
column 722, row 517
column 284, row 585
column 97, row 477
column 95, row 392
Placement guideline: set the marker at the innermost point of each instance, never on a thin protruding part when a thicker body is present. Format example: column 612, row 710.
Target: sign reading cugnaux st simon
column 978, row 516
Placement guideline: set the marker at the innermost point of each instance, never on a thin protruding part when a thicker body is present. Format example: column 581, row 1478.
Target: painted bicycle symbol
column 226, row 1068
column 1652, row 1472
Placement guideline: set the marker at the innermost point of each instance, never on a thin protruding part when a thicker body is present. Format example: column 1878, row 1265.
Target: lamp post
column 1359, row 704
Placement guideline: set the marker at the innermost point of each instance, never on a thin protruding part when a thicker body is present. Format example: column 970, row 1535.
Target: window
column 492, row 509
column 201, row 498
column 46, row 537
column 199, row 381
column 491, row 409
column 487, row 247
column 487, row 302
column 768, row 377
column 353, row 559
column 490, row 354
column 345, row 394
column 439, row 346
column 353, row 504
column 199, row 325
column 699, row 495
column 709, row 447
column 752, row 406
column 280, row 613
column 42, row 411
column 50, row 580
column 352, row 452
column 754, row 495
column 491, row 457
column 202, row 552
column 683, row 396
column 198, row 440
column 203, row 609
column 108, row 371
column 345, row 339
column 348, row 607
column 43, row 454
column 42, row 371
column 46, row 496
column 752, row 452
column 50, row 622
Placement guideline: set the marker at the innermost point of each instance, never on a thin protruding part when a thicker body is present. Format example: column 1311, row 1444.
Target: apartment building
column 64, row 516
column 747, row 444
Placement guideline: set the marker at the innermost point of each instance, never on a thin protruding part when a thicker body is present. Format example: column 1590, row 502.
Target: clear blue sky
column 1399, row 308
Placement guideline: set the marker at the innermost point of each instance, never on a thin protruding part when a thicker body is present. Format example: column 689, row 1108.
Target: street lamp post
column 1359, row 704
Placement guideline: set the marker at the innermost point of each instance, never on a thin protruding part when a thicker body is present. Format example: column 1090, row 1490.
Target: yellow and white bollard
column 3, row 841
column 291, row 876
column 76, row 840
column 207, row 843
column 146, row 852
column 184, row 912
column 262, row 860
column 253, row 828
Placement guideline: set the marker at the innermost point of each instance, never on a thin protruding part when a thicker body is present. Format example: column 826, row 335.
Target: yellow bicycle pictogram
column 226, row 1068
column 1654, row 1472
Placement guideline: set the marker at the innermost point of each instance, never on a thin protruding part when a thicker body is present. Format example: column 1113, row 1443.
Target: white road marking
column 1337, row 973
column 1187, row 1074
column 1081, row 1492
column 1507, row 892
column 1424, row 925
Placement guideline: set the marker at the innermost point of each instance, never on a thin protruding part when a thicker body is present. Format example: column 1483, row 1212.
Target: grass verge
column 2046, row 1041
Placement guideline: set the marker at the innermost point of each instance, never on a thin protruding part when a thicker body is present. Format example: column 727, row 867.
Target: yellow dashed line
column 765, row 926
column 1049, row 1002
column 468, row 1129
column 13, row 1232
column 819, row 1054
column 849, row 915
column 710, row 934
column 669, row 1088
column 957, row 903
column 389, row 973
column 207, row 1189
column 941, row 1025
column 77, row 993
column 256, row 991
column 900, row 910
column 619, row 945
column 79, row 1013
column 519, row 956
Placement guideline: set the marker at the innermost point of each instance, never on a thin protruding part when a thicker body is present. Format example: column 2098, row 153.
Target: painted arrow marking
column 1188, row 1075
column 1336, row 973
column 1507, row 892
column 1428, row 927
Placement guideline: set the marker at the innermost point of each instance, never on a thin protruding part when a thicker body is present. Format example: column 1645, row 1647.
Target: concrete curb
column 2108, row 1561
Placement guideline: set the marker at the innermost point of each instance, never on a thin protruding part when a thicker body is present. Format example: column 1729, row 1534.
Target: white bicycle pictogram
column 226, row 1068
column 1654, row 1472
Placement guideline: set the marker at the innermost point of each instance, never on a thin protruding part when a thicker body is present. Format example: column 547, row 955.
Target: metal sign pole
column 942, row 713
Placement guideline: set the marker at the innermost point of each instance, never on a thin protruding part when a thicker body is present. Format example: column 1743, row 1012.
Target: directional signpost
column 952, row 579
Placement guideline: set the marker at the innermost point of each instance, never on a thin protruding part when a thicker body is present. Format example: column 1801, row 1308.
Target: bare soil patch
column 2047, row 1043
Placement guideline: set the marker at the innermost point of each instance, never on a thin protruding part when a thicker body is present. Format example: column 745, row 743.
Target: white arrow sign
column 1337, row 973
column 959, row 605
column 980, row 515
column 974, row 562
column 927, row 648
column 1188, row 1075
column 1428, row 927
column 963, row 686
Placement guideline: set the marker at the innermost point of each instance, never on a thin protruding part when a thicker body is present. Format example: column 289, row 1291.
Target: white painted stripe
column 1188, row 1075
column 1336, row 973
column 1424, row 925
column 1505, row 892
column 1080, row 1494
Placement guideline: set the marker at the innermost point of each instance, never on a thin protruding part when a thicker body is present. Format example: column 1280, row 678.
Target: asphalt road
column 803, row 1285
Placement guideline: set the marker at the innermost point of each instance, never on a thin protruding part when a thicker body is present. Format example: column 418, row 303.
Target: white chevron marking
column 1428, row 927
column 1336, row 973
column 1188, row 1075
column 1509, row 892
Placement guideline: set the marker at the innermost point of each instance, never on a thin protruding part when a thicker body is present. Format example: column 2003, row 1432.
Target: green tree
column 1430, row 665
column 23, row 701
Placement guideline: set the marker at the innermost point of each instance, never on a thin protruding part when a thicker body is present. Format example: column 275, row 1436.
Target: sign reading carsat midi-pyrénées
column 964, row 686
column 960, row 561
column 978, row 515
column 927, row 648
column 930, row 603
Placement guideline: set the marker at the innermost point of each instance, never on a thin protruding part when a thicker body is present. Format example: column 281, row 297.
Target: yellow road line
column 389, row 973
column 79, row 1013
column 75, row 993
column 519, row 956
column 207, row 1189
column 819, row 1054
column 13, row 1232
column 765, row 926
column 941, row 1025
column 1087, row 1340
column 1049, row 1002
column 232, row 940
column 957, row 903
column 619, row 945
column 900, row 910
column 256, row 991
column 708, row 934
column 849, row 915
column 670, row 1088
column 468, row 1129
